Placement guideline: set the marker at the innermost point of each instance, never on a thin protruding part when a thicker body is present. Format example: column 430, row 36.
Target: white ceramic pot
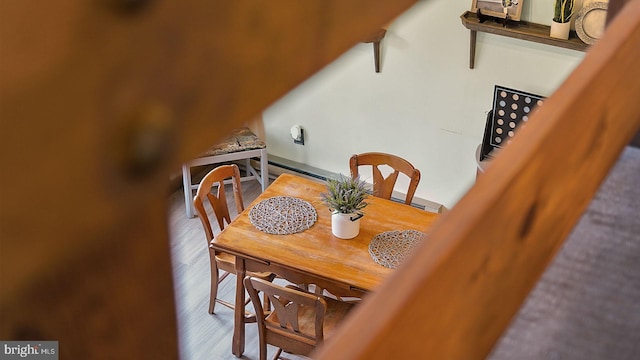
column 343, row 227
column 560, row 30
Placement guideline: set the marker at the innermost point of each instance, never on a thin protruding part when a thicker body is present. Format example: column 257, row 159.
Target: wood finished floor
column 201, row 335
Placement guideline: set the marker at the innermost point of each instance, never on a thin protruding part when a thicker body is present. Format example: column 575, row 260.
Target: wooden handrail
column 98, row 105
column 457, row 294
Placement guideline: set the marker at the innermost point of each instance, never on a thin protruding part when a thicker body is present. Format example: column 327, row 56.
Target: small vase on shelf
column 561, row 25
column 560, row 30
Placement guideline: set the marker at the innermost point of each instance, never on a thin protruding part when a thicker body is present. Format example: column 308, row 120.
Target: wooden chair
column 219, row 260
column 383, row 187
column 298, row 322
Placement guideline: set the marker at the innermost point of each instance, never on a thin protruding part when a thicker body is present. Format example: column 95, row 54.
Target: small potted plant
column 563, row 11
column 345, row 197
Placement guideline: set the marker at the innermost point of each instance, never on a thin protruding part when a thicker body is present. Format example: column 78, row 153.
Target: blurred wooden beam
column 614, row 7
column 454, row 298
column 99, row 101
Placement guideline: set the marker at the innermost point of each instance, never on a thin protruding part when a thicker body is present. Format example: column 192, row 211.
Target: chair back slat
column 218, row 200
column 296, row 322
column 383, row 186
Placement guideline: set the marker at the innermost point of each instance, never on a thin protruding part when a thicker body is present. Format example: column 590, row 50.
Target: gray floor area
column 587, row 304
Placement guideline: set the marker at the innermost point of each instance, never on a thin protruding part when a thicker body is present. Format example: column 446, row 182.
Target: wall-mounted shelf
column 375, row 38
column 520, row 30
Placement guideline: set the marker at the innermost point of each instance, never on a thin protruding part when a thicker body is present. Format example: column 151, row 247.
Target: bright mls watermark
column 15, row 350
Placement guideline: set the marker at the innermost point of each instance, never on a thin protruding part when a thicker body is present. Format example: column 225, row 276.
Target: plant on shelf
column 346, row 198
column 561, row 25
column 563, row 10
column 346, row 195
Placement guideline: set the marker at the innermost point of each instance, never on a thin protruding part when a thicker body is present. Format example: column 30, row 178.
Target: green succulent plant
column 345, row 195
column 563, row 10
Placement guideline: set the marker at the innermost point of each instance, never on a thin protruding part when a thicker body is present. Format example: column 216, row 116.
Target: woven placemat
column 390, row 248
column 283, row 215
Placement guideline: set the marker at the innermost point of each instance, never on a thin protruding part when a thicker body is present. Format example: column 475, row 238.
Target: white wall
column 426, row 105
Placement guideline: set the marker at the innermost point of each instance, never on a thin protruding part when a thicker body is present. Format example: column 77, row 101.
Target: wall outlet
column 300, row 139
column 297, row 133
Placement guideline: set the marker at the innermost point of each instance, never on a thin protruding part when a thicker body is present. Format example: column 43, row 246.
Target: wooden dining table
column 314, row 255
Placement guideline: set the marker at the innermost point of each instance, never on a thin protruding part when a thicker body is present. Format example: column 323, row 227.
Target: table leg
column 264, row 169
column 237, row 346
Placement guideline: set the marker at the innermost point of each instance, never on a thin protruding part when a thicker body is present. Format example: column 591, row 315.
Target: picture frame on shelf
column 510, row 108
column 504, row 9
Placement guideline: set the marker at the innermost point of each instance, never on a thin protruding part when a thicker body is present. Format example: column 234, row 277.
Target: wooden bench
column 241, row 144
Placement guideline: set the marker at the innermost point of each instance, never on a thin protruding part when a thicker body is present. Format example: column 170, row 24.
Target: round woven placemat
column 390, row 248
column 283, row 215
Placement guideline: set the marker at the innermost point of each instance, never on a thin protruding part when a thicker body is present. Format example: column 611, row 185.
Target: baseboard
column 278, row 166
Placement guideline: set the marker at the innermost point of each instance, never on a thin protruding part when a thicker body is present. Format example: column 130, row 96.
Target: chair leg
column 264, row 169
column 188, row 194
column 214, row 287
column 276, row 356
column 266, row 304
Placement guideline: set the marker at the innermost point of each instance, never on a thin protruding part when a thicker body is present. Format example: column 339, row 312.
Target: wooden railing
column 456, row 296
column 99, row 102
column 103, row 100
